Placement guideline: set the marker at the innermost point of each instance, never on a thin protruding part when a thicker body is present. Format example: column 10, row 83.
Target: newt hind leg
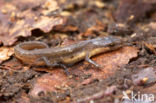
column 55, row 64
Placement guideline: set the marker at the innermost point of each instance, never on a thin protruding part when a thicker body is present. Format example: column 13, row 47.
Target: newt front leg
column 87, row 58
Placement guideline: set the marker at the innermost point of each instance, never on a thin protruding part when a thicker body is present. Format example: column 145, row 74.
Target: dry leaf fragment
column 150, row 47
column 46, row 24
column 153, row 25
column 5, row 53
column 49, row 6
column 18, row 18
column 47, row 83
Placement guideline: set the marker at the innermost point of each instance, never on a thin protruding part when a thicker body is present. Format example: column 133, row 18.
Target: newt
column 39, row 53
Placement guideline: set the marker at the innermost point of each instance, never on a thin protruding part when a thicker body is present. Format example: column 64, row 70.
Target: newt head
column 107, row 41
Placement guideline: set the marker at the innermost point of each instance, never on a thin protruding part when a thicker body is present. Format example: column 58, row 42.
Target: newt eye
column 112, row 44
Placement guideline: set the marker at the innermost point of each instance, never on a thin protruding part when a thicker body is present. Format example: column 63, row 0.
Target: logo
column 137, row 97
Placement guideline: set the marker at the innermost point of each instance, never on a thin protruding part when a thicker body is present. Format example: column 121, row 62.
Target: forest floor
column 128, row 74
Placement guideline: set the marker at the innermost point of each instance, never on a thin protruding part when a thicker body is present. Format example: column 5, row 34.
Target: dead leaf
column 150, row 47
column 49, row 6
column 153, row 25
column 112, row 61
column 20, row 18
column 14, row 64
column 48, row 82
column 14, row 23
column 5, row 53
column 46, row 24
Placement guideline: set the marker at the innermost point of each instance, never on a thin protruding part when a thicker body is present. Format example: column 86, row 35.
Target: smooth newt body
column 38, row 53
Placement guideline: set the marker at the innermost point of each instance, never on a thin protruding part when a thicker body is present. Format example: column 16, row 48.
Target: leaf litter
column 88, row 19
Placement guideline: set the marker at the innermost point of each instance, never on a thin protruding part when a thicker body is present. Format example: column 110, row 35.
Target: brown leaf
column 47, row 83
column 69, row 24
column 112, row 61
column 14, row 64
column 46, row 24
column 50, row 5
column 150, row 47
column 5, row 53
column 20, row 18
column 14, row 23
column 153, row 25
